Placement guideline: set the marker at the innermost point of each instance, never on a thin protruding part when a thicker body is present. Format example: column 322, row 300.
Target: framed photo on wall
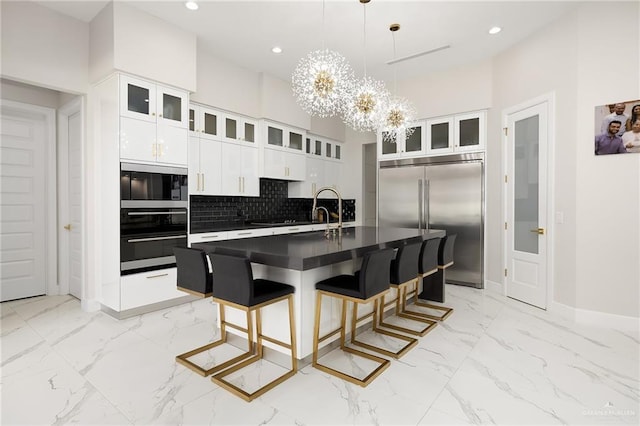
column 617, row 128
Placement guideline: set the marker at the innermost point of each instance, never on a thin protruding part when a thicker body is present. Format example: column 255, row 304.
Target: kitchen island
column 303, row 259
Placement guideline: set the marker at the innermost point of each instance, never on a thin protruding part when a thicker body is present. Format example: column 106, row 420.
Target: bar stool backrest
column 445, row 254
column 404, row 267
column 374, row 273
column 193, row 270
column 429, row 255
column 233, row 278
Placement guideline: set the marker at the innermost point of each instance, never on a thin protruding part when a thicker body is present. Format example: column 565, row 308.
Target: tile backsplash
column 211, row 213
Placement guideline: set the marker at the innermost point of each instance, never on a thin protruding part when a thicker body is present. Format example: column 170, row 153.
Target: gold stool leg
column 184, row 358
column 219, row 378
column 410, row 341
column 383, row 363
column 446, row 312
column 400, row 312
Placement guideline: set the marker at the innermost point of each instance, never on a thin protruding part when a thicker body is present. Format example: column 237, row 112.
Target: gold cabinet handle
column 68, row 227
column 539, row 231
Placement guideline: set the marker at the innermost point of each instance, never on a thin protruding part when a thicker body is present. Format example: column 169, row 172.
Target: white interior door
column 23, row 148
column 75, row 205
column 527, row 239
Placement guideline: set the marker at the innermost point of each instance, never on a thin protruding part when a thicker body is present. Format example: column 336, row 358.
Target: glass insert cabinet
column 439, row 135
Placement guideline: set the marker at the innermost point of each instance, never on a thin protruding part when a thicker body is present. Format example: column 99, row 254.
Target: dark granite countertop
column 308, row 250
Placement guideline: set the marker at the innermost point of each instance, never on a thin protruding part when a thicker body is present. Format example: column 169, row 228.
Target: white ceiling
column 243, row 32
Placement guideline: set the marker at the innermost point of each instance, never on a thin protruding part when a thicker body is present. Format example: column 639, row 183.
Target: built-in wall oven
column 153, row 216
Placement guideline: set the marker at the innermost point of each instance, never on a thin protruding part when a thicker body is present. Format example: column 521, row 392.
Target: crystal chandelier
column 399, row 116
column 365, row 106
column 322, row 81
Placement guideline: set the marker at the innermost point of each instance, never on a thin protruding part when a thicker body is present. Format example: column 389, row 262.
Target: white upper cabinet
column 205, row 122
column 457, row 133
column 153, row 122
column 239, row 170
column 205, row 166
column 313, row 146
column 144, row 100
column 236, row 128
column 279, row 136
column 402, row 146
column 283, row 152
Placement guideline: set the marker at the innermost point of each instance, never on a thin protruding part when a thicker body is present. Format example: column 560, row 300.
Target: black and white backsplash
column 221, row 212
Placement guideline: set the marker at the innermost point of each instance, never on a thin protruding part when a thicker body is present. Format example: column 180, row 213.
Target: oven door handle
column 142, row 240
column 148, row 213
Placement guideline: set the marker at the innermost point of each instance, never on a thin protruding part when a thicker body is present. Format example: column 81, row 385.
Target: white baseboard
column 90, row 305
column 494, row 287
column 595, row 318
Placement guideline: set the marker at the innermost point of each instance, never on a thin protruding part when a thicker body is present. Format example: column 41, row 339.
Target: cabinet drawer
column 207, row 236
column 148, row 287
column 249, row 233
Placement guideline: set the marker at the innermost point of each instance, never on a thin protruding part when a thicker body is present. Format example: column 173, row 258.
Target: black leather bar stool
column 195, row 277
column 367, row 285
column 404, row 272
column 435, row 254
column 235, row 287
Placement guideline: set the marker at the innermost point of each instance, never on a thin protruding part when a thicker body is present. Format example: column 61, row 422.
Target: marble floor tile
column 493, row 361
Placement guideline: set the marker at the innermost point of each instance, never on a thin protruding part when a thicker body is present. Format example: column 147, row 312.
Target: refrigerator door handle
column 420, row 203
column 425, row 197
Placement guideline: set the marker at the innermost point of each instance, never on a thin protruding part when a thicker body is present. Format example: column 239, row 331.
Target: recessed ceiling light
column 276, row 49
column 191, row 5
column 495, row 30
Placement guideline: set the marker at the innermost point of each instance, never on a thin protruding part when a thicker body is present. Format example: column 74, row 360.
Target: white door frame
column 549, row 99
column 51, row 250
column 67, row 110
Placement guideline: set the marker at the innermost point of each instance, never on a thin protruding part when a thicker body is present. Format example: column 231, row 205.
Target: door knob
column 68, row 227
column 539, row 231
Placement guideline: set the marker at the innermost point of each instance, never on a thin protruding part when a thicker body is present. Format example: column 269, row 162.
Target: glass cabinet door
column 470, row 131
column 439, row 134
column 249, row 132
column 318, row 148
column 230, row 128
column 389, row 145
column 192, row 119
column 138, row 99
column 171, row 107
column 327, row 150
column 308, row 146
column 274, row 136
column 210, row 123
column 295, row 141
column 338, row 148
column 414, row 142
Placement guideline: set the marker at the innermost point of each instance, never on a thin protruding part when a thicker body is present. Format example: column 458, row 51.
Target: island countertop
column 308, row 250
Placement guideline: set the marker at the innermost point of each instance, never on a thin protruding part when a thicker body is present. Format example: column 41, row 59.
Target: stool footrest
column 446, row 312
column 220, row 380
column 383, row 365
column 184, row 359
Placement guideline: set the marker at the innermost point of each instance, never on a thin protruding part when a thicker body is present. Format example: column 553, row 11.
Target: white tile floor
column 494, row 361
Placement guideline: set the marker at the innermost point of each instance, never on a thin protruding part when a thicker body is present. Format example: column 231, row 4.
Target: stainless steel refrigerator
column 443, row 192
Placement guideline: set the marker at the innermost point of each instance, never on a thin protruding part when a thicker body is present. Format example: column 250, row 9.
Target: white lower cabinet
column 207, row 236
column 249, row 233
column 147, row 288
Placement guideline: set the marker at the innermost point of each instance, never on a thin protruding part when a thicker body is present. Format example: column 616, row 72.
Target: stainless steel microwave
column 144, row 185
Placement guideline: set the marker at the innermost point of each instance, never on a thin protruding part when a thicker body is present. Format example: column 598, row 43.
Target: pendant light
column 322, row 80
column 400, row 114
column 366, row 104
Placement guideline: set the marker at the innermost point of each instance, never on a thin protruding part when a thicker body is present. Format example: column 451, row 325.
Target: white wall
column 101, row 55
column 608, row 190
column 44, row 48
column 150, row 47
column 278, row 103
column 330, row 127
column 226, row 86
column 596, row 249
